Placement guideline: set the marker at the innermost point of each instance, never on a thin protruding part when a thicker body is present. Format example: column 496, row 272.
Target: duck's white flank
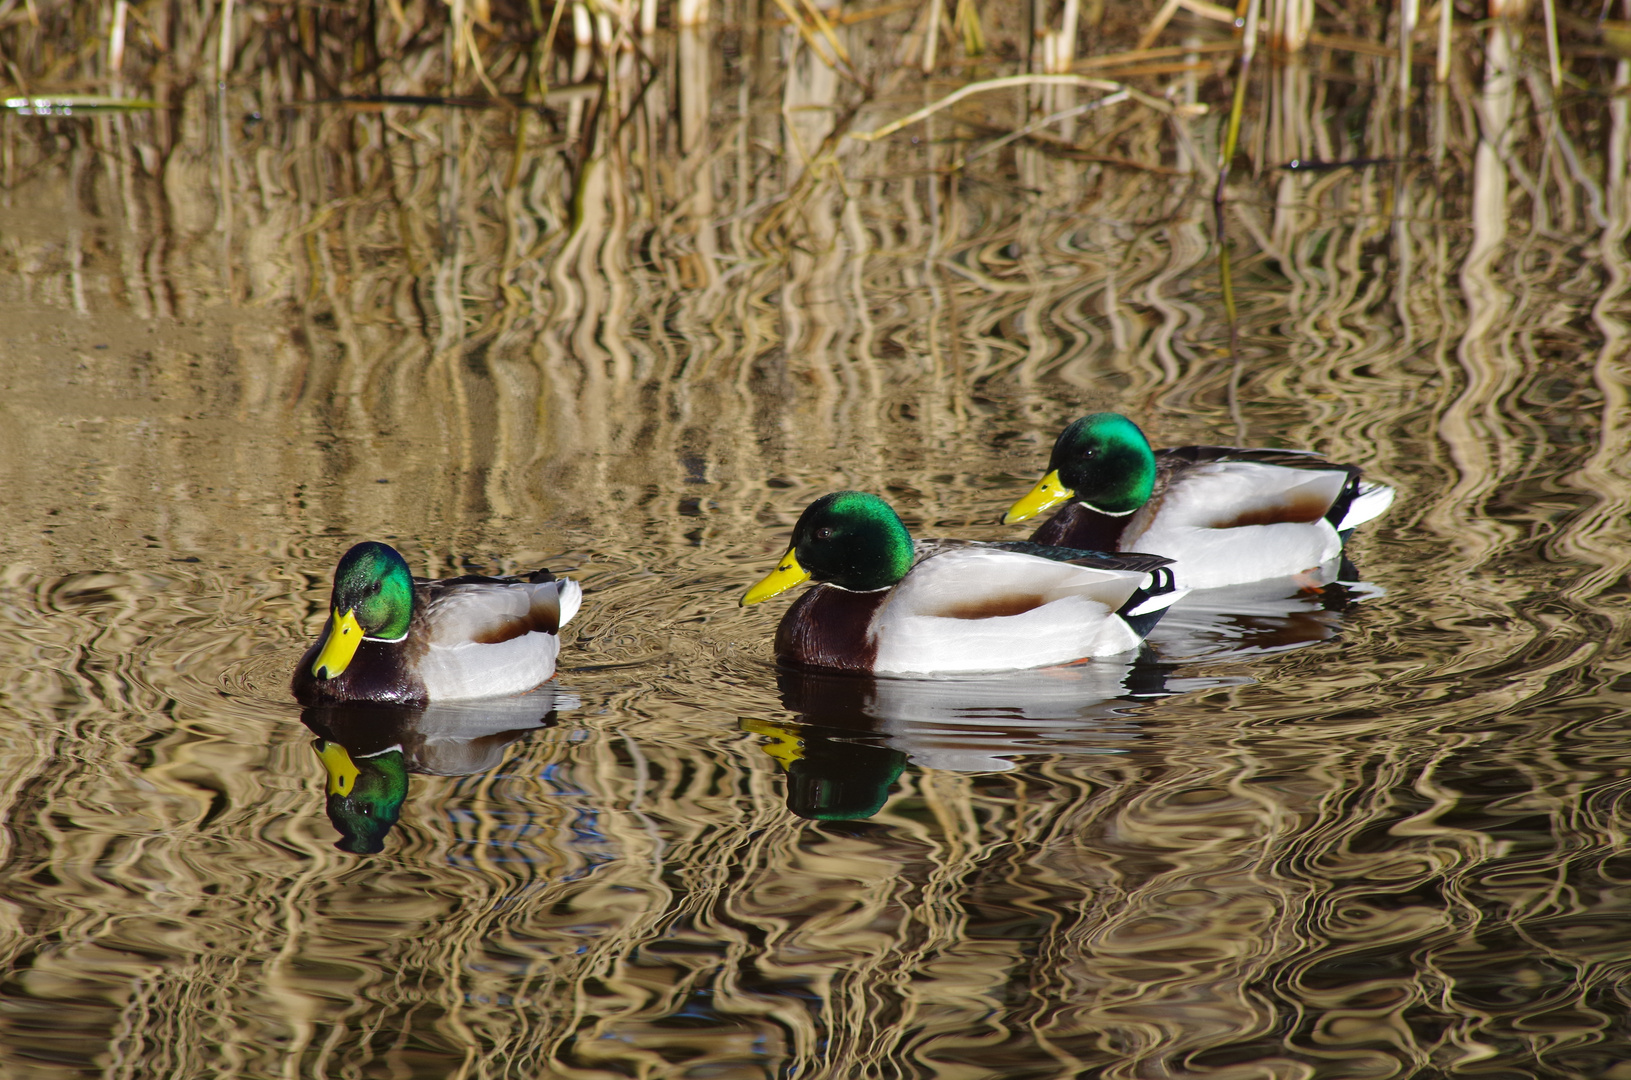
column 458, row 665
column 1204, row 522
column 985, row 609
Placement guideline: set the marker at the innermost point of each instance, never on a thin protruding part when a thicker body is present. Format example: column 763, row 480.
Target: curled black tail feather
column 1339, row 509
column 1161, row 583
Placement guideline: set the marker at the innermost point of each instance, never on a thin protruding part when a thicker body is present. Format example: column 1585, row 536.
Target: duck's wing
column 488, row 611
column 1205, row 455
column 1126, row 560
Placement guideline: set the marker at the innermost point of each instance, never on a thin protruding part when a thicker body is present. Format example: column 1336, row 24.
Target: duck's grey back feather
column 490, row 610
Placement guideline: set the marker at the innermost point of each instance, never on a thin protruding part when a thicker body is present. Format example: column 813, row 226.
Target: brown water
column 1378, row 836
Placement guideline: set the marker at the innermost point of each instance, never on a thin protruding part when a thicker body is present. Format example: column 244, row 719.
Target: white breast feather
column 1194, row 523
column 456, row 666
column 992, row 610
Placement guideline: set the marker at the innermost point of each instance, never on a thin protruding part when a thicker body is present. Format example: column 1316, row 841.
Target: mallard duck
column 886, row 603
column 1224, row 515
column 394, row 638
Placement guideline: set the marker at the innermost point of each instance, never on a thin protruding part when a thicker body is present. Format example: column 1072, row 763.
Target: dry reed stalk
column 116, row 48
column 1230, row 141
column 1168, row 52
column 967, row 22
column 1290, row 22
column 1446, row 19
column 850, row 18
column 1038, row 125
column 1059, row 46
column 823, row 24
column 1552, row 55
column 1349, row 43
column 931, row 35
column 223, row 59
column 690, row 13
column 836, row 61
column 1200, row 8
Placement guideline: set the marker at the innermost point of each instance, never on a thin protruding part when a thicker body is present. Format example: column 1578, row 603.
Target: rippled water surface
column 1377, row 832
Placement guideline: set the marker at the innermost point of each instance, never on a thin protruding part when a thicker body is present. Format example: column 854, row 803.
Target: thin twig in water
column 1006, row 81
column 1166, row 52
column 1036, row 125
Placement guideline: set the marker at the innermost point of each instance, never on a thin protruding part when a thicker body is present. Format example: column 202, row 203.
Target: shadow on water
column 853, row 735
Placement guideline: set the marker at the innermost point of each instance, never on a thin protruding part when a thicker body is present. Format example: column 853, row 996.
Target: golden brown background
column 620, row 298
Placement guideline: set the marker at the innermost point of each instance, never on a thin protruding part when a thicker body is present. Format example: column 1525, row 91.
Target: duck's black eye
column 824, row 533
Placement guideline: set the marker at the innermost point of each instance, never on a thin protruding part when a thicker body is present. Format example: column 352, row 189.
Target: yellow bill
column 787, row 574
column 785, row 745
column 342, row 772
column 344, row 635
column 1047, row 494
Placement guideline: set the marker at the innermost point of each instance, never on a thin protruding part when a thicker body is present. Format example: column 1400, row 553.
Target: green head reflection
column 365, row 794
column 830, row 779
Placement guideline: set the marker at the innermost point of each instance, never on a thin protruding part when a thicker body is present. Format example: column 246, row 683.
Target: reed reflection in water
column 1304, row 836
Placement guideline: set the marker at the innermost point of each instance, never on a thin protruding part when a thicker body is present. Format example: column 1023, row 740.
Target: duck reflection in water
column 369, row 750
column 1241, row 622
column 854, row 735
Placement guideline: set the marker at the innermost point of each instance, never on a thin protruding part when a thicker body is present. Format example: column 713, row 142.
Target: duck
column 1224, row 515
column 888, row 604
column 393, row 638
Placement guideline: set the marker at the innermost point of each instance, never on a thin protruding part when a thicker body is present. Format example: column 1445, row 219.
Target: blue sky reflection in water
column 1377, row 833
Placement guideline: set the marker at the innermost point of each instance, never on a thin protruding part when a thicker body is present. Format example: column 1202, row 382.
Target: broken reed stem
column 116, row 48
column 1157, row 24
column 931, row 37
column 1551, row 44
column 223, row 58
column 1409, row 10
column 1446, row 16
column 547, row 53
column 1006, row 81
column 1231, row 140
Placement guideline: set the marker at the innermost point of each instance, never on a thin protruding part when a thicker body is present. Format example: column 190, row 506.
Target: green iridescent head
column 854, row 540
column 365, row 795
column 1106, row 461
column 374, row 584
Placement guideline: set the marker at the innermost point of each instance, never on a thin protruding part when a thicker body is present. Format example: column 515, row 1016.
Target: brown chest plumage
column 1077, row 526
column 828, row 627
column 380, row 671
